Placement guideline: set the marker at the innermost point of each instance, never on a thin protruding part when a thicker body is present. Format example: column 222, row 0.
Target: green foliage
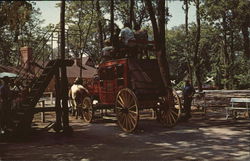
column 221, row 46
column 180, row 85
column 19, row 26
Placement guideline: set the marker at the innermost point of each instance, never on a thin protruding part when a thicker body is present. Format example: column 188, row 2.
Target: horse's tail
column 70, row 94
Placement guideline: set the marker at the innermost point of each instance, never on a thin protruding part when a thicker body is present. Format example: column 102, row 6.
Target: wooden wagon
column 128, row 85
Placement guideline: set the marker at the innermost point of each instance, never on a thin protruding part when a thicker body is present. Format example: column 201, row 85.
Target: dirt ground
column 210, row 138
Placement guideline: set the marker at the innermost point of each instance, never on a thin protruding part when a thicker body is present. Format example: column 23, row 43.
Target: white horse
column 77, row 93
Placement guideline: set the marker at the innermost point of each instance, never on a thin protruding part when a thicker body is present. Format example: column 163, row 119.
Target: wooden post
column 64, row 80
column 43, row 113
column 58, row 124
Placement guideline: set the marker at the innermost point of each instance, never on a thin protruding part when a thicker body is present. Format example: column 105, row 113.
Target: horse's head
column 78, row 80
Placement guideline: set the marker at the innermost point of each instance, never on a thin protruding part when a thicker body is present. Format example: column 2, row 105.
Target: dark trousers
column 5, row 115
column 187, row 106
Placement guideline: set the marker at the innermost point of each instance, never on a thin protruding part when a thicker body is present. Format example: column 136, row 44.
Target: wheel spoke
column 174, row 112
column 122, row 118
column 133, row 120
column 119, row 108
column 164, row 117
column 133, row 113
column 125, row 98
column 131, row 101
column 132, row 107
column 169, row 117
column 126, row 121
column 130, row 126
column 172, row 116
column 120, row 101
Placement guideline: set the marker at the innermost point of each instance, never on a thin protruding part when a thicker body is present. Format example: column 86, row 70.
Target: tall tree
column 112, row 21
column 19, row 26
column 197, row 46
column 131, row 13
column 159, row 37
column 243, row 17
column 99, row 24
column 64, row 80
column 187, row 50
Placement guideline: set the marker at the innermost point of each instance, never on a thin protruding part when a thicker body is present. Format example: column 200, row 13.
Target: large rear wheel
column 88, row 111
column 170, row 109
column 126, row 109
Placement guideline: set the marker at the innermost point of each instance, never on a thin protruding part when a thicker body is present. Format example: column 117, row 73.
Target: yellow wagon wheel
column 88, row 111
column 126, row 108
column 170, row 110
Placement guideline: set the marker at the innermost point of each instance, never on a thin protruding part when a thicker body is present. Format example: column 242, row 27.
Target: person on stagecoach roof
column 107, row 51
column 126, row 35
column 141, row 37
column 139, row 33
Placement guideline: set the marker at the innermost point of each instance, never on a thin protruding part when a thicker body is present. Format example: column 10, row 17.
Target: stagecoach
column 129, row 85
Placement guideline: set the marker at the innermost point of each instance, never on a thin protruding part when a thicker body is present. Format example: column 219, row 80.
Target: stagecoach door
column 107, row 84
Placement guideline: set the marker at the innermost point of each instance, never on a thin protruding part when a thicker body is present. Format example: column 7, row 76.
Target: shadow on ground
column 198, row 139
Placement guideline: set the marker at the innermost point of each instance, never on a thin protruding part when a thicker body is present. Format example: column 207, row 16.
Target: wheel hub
column 125, row 110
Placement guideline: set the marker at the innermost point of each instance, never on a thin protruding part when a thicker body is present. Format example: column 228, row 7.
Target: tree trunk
column 163, row 63
column 232, row 57
column 99, row 24
column 245, row 33
column 80, row 31
column 159, row 37
column 151, row 12
column 112, row 22
column 187, row 51
column 58, row 108
column 225, row 52
column 131, row 13
column 197, row 45
column 64, row 80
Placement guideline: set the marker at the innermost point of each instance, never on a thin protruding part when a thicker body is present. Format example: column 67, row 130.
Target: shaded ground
column 213, row 138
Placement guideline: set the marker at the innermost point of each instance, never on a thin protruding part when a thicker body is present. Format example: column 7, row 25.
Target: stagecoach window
column 120, row 70
column 102, row 74
column 110, row 74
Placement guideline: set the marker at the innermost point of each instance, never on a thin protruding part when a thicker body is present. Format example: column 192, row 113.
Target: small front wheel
column 88, row 111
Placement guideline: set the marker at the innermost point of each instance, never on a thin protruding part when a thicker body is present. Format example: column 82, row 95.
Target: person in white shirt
column 126, row 35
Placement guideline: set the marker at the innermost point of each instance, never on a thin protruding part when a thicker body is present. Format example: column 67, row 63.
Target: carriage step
column 16, row 121
column 31, row 97
column 103, row 106
column 25, row 106
column 43, row 109
column 20, row 113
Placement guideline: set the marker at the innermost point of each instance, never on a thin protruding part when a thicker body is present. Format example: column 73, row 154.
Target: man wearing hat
column 188, row 93
column 6, row 104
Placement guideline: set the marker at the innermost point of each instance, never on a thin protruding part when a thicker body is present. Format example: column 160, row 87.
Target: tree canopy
column 216, row 45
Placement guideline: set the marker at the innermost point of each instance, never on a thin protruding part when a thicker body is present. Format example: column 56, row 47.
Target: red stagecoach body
column 128, row 85
column 142, row 76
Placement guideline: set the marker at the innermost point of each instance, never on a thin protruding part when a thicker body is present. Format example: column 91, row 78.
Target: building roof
column 12, row 69
column 74, row 71
column 87, row 70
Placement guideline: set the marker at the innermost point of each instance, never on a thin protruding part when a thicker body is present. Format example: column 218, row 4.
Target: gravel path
column 199, row 139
